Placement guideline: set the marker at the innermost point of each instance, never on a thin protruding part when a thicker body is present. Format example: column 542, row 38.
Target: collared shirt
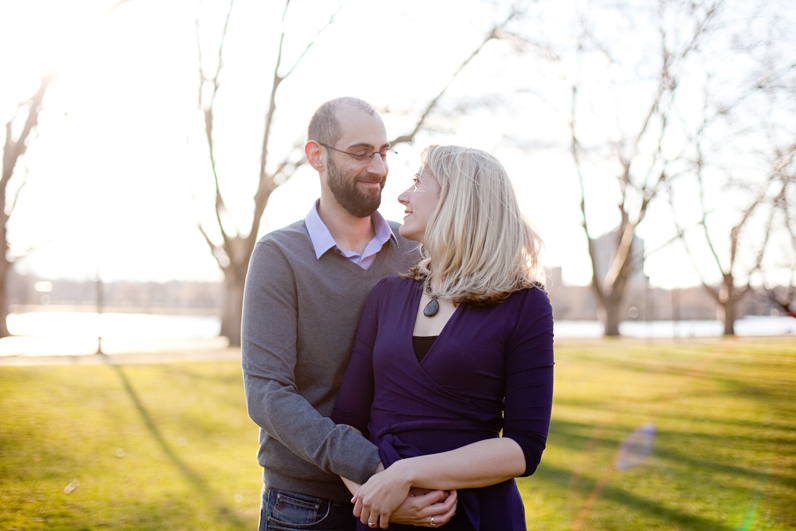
column 322, row 239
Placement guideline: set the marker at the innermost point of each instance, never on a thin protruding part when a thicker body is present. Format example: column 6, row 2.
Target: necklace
column 432, row 307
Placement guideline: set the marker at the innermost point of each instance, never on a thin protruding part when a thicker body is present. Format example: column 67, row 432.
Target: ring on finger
column 371, row 524
column 432, row 522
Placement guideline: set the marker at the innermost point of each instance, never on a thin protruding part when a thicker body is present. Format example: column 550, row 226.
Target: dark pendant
column 431, row 308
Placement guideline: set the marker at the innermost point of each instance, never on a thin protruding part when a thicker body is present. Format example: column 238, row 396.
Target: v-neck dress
column 490, row 369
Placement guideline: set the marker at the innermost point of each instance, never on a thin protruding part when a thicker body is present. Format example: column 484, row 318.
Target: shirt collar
column 322, row 239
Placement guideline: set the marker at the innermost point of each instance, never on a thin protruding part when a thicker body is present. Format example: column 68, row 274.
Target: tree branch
column 312, row 42
column 681, row 233
column 220, row 207
column 213, row 246
column 493, row 34
column 18, row 191
column 267, row 182
column 13, row 149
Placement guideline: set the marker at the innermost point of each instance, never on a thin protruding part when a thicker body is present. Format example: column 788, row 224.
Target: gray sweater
column 300, row 315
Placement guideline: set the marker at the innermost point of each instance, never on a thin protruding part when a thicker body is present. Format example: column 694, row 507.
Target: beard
column 344, row 188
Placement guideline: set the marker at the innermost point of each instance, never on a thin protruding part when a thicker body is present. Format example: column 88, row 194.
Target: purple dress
column 490, row 369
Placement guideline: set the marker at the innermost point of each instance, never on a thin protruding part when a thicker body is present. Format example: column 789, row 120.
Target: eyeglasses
column 363, row 155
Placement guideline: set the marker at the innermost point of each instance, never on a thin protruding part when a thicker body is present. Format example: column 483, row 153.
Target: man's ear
column 313, row 152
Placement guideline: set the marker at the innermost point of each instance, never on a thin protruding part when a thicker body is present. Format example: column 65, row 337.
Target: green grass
column 171, row 447
column 152, row 447
column 725, row 453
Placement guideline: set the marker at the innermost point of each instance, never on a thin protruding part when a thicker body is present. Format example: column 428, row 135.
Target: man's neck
column 350, row 233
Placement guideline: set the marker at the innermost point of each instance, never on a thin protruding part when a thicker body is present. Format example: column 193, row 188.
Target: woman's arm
column 478, row 464
column 419, row 505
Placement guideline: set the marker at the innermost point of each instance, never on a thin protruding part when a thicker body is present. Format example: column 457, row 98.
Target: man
column 305, row 290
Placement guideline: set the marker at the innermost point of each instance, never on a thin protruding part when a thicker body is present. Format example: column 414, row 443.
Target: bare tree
column 728, row 293
column 782, row 206
column 20, row 131
column 769, row 197
column 637, row 159
column 233, row 249
column 782, row 216
column 756, row 114
column 15, row 145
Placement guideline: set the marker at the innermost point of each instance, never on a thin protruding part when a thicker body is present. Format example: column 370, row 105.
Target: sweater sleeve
column 269, row 335
column 356, row 392
column 529, row 378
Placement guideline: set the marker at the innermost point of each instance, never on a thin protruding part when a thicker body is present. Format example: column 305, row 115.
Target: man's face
column 355, row 184
column 359, row 192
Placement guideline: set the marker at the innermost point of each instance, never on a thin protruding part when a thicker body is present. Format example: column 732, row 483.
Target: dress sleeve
column 356, row 392
column 529, row 378
column 269, row 334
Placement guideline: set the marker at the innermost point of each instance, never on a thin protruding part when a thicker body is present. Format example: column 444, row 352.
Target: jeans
column 281, row 510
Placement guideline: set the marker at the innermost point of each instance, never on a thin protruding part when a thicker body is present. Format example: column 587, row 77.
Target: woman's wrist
column 404, row 471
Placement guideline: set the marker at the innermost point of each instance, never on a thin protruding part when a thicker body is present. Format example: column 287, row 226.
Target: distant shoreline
column 92, row 308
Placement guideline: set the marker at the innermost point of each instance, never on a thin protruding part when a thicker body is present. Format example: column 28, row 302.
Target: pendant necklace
column 432, row 307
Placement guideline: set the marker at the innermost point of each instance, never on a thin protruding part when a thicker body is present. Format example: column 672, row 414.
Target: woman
column 455, row 351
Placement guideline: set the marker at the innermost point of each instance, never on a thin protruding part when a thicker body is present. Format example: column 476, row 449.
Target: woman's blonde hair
column 482, row 246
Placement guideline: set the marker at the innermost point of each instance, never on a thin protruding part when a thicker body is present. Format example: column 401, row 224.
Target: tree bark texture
column 5, row 273
column 232, row 308
column 727, row 315
column 610, row 317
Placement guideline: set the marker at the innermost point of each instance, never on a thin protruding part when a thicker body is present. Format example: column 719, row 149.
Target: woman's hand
column 380, row 496
column 422, row 505
column 418, row 507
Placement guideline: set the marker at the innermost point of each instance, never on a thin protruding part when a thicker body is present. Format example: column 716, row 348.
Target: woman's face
column 420, row 200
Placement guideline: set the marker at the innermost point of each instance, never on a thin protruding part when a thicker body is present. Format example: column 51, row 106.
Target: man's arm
column 269, row 335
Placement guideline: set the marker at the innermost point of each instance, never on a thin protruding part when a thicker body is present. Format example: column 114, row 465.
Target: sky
column 118, row 176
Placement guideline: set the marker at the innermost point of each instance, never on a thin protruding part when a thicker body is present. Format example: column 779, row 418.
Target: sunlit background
column 678, row 115
column 117, row 175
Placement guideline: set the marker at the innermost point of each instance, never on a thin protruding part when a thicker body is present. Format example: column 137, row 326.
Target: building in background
column 604, row 249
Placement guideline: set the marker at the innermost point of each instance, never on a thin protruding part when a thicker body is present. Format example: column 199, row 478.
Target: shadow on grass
column 719, row 472
column 188, row 370
column 573, row 436
column 196, row 480
column 231, row 382
column 670, row 518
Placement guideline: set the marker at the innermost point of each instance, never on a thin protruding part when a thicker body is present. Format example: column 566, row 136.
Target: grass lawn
column 171, row 447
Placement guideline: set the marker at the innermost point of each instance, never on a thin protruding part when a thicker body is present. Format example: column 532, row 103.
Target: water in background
column 61, row 333
column 111, row 325
column 75, row 334
column 748, row 326
column 129, row 325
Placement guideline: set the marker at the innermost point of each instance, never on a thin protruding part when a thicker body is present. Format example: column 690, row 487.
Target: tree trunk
column 727, row 316
column 5, row 270
column 232, row 306
column 610, row 291
column 5, row 265
column 609, row 306
column 610, row 316
column 728, row 299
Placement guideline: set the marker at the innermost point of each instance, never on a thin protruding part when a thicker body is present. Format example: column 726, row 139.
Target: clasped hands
column 388, row 496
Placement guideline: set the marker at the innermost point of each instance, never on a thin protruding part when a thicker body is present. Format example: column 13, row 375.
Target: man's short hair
column 325, row 127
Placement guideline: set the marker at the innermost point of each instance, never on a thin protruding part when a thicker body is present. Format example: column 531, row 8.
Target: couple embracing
column 401, row 376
